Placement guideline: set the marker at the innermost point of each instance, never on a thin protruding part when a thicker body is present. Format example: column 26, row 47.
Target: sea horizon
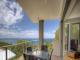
column 14, row 40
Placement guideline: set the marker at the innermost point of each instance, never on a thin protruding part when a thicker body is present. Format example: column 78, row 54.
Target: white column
column 69, row 37
column 61, row 39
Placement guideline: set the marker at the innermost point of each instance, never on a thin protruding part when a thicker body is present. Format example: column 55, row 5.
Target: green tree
column 49, row 45
column 24, row 42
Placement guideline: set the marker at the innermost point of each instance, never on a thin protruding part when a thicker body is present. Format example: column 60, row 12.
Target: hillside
column 3, row 43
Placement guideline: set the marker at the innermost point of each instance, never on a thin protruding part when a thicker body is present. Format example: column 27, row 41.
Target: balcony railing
column 17, row 49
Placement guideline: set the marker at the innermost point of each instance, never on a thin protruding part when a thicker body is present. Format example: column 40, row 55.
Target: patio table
column 38, row 55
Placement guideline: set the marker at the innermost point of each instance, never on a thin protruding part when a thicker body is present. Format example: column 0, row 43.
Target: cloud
column 10, row 12
column 25, row 34
column 49, row 34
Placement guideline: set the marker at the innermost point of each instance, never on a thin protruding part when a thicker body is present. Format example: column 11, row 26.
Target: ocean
column 14, row 40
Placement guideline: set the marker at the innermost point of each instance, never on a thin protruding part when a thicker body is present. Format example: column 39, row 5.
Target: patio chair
column 24, row 57
column 28, row 57
column 44, row 48
column 29, row 49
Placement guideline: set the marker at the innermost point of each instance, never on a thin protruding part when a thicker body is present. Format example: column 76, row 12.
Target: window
column 73, row 37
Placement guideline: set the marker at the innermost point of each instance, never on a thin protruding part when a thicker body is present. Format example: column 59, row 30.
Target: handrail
column 6, row 48
column 13, row 45
column 24, row 45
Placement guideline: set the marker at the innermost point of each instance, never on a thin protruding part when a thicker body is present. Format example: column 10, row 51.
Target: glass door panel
column 74, row 37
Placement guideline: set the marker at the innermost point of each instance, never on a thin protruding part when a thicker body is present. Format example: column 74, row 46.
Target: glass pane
column 75, row 31
column 74, row 37
column 66, row 36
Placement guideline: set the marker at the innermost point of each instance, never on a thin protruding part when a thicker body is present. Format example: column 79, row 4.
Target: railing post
column 6, row 53
column 24, row 47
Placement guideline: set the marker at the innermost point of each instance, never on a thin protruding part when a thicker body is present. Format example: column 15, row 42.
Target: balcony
column 68, row 11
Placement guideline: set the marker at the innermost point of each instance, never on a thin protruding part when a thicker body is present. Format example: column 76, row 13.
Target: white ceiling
column 42, row 9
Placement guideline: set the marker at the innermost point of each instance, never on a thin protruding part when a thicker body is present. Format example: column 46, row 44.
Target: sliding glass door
column 73, row 36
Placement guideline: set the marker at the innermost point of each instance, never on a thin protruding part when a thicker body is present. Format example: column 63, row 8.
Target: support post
column 79, row 36
column 61, row 39
column 6, row 53
column 69, row 42
column 67, row 3
column 68, row 36
column 41, row 32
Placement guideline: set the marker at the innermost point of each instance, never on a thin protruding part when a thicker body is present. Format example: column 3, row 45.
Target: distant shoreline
column 23, row 38
column 13, row 41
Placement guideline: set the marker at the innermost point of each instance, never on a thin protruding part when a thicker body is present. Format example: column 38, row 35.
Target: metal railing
column 18, row 49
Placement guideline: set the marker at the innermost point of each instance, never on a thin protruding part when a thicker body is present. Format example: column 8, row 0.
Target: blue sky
column 16, row 23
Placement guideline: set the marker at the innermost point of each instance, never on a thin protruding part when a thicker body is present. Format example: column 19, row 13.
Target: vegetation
column 49, row 45
column 20, row 45
column 3, row 44
column 74, row 33
column 57, row 37
column 19, row 49
column 24, row 42
column 57, row 34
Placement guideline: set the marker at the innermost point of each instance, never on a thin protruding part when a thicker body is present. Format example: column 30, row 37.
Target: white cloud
column 10, row 12
column 50, row 34
column 25, row 34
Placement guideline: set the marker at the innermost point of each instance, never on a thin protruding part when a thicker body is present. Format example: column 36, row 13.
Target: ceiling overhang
column 42, row 9
column 73, row 13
